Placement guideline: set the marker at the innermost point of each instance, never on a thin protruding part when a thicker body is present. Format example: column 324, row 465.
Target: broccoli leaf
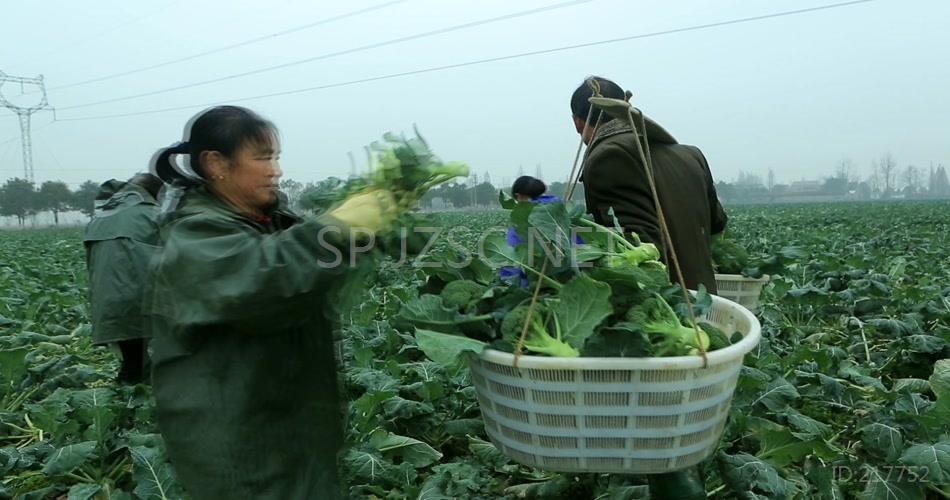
column 750, row 477
column 430, row 312
column 552, row 223
column 883, row 439
column 69, row 457
column 446, row 349
column 153, row 474
column 780, row 445
column 497, row 252
column 12, row 364
column 585, row 302
column 940, row 382
column 407, row 449
column 932, row 459
column 621, row 340
column 881, row 486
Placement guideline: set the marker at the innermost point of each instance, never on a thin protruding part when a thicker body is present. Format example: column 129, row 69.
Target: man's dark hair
column 148, row 182
column 528, row 186
column 579, row 104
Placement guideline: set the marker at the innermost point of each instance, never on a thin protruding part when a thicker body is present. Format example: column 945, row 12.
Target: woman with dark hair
column 527, row 188
column 244, row 374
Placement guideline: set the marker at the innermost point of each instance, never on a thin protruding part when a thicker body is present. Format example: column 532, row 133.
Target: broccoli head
column 667, row 334
column 537, row 339
column 462, row 294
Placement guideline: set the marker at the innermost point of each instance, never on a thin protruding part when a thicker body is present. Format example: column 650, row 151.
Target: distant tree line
column 20, row 198
column 884, row 180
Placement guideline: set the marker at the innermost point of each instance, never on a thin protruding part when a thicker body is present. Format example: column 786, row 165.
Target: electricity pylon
column 25, row 114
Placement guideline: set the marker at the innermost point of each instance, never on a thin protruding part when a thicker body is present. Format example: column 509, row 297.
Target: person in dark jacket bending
column 120, row 240
column 614, row 177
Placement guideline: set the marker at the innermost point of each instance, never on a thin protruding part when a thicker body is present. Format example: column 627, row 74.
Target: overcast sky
column 797, row 93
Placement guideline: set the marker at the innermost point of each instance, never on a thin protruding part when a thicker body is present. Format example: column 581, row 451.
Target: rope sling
column 618, row 109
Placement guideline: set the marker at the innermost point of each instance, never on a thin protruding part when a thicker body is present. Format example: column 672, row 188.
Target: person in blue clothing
column 526, row 188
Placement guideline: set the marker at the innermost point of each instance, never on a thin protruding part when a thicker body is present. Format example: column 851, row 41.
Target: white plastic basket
column 740, row 289
column 613, row 415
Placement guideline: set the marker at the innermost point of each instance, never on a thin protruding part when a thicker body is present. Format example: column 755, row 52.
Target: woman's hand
column 373, row 210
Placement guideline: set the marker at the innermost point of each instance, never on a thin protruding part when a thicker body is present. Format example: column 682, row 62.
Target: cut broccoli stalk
column 444, row 173
column 537, row 338
column 633, row 253
column 667, row 334
column 612, row 232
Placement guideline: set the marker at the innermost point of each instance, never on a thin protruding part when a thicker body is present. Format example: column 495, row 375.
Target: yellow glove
column 372, row 210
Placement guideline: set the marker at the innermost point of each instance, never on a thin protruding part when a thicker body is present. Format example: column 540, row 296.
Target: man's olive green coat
column 244, row 374
column 120, row 241
column 614, row 177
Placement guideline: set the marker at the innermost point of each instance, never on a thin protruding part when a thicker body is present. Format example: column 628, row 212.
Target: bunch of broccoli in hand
column 405, row 167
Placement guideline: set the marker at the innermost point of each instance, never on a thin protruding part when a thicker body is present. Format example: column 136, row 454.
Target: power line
column 51, row 153
column 104, row 169
column 103, row 32
column 234, row 45
column 480, row 61
column 37, row 129
column 337, row 53
column 6, row 150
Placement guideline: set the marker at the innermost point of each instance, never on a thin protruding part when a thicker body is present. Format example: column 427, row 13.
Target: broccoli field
column 846, row 396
